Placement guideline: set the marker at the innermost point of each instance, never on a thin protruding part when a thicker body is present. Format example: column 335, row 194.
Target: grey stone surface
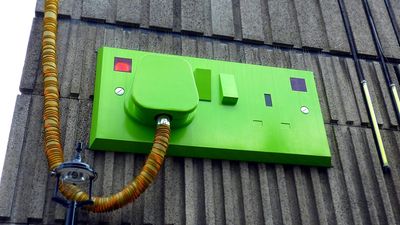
column 222, row 18
column 392, row 182
column 189, row 47
column 161, row 14
column 322, row 204
column 251, row 55
column 39, row 8
column 377, row 200
column 192, row 13
column 251, row 194
column 66, row 7
column 230, row 194
column 265, row 194
column 87, row 74
column 384, row 96
column 266, row 57
column 284, row 198
column 396, row 10
column 336, row 182
column 384, row 28
column 373, row 89
column 297, row 61
column 266, row 22
column 311, row 24
column 76, row 10
column 357, row 91
column 282, row 58
column 221, row 51
column 334, row 26
column 251, row 20
column 78, row 58
column 283, row 22
column 95, row 10
column 32, row 58
column 29, row 154
column 13, row 155
column 332, row 94
column 203, row 191
column 360, row 28
column 191, row 203
column 305, row 194
column 64, row 33
column 352, row 177
column 315, row 24
column 346, row 93
column 128, row 12
column 312, row 64
column 237, row 23
column 364, row 166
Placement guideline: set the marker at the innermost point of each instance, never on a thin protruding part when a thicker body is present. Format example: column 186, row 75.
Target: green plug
column 162, row 85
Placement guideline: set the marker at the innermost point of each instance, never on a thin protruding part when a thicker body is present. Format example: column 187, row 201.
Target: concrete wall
column 286, row 33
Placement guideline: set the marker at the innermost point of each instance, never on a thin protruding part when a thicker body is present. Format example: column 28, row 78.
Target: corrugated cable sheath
column 51, row 117
column 133, row 190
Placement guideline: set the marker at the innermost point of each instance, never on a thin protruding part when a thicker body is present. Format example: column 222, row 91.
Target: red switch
column 122, row 64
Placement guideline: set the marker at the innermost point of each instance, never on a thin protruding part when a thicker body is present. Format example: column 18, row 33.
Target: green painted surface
column 248, row 130
column 229, row 93
column 203, row 83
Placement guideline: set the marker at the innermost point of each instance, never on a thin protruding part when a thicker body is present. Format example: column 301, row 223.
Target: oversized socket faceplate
column 245, row 112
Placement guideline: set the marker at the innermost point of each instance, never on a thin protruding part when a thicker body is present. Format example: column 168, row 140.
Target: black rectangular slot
column 268, row 100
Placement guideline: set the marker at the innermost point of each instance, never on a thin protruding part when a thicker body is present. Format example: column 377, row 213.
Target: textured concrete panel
column 334, row 26
column 359, row 25
column 357, row 91
column 283, row 22
column 334, row 100
column 202, row 191
column 13, row 155
column 128, row 12
column 314, row 24
column 384, row 96
column 345, row 89
column 161, row 14
column 95, row 10
column 312, row 63
column 32, row 58
column 384, row 28
column 252, row 23
column 311, row 24
column 222, row 18
column 192, row 15
column 396, row 11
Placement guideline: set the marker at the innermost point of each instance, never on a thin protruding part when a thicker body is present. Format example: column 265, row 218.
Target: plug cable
column 52, row 134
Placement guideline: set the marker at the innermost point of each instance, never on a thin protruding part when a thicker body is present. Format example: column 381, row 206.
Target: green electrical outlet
column 219, row 110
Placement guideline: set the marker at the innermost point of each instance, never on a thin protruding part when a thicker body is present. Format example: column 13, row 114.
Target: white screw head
column 119, row 91
column 304, row 110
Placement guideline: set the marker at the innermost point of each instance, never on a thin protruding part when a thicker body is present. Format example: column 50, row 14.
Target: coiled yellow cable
column 51, row 115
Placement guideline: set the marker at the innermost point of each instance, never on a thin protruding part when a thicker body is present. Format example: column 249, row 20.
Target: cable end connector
column 386, row 169
column 163, row 120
